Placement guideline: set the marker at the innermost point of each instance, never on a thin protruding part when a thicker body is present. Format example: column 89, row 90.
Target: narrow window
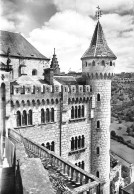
column 72, row 112
column 47, row 101
column 79, row 165
column 76, row 143
column 47, row 115
column 83, row 165
column 52, row 146
column 52, row 114
column 75, row 111
column 97, row 174
column 79, row 142
column 98, row 150
column 110, row 63
column 86, row 63
column 24, row 118
column 72, row 143
column 42, row 116
column 18, row 118
column 48, row 145
column 98, row 97
column 83, row 111
column 43, row 144
column 79, row 111
column 98, row 124
column 75, row 164
column 83, row 141
column 30, row 120
column 34, row 72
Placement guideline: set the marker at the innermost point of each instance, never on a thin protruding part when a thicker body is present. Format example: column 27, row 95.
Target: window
column 93, row 63
column 98, row 97
column 30, row 120
column 75, row 111
column 97, row 174
column 98, row 150
column 47, row 115
column 77, row 142
column 24, row 118
column 18, row 118
column 80, row 164
column 34, row 72
column 83, row 112
column 86, row 64
column 42, row 116
column 83, row 141
column 52, row 114
column 110, row 63
column 52, row 146
column 79, row 111
column 48, row 145
column 98, row 124
column 72, row 112
column 72, row 143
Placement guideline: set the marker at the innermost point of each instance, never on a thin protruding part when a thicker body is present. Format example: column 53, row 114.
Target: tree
column 113, row 134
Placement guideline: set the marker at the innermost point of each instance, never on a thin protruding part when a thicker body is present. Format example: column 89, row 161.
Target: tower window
column 72, row 112
column 72, row 143
column 76, row 143
column 75, row 111
column 98, row 150
column 48, row 145
column 110, row 63
column 98, row 97
column 52, row 146
column 83, row 111
column 97, row 174
column 47, row 115
column 86, row 64
column 98, row 124
column 83, row 141
column 34, row 72
column 83, row 165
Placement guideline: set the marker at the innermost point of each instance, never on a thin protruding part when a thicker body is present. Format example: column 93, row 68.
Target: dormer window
column 110, row 63
column 93, row 63
column 34, row 72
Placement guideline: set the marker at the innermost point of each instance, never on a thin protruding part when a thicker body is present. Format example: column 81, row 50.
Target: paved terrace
column 64, row 176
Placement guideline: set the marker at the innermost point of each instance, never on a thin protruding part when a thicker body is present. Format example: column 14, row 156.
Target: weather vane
column 98, row 13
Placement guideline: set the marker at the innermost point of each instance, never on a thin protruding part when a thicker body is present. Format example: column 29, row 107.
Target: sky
column 68, row 26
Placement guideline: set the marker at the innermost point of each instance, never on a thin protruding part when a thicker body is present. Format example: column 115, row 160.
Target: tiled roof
column 18, row 45
column 98, row 46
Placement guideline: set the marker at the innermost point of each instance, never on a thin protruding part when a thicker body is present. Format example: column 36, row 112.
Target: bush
column 113, row 134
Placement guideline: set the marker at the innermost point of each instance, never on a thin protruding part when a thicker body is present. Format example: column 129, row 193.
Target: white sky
column 68, row 26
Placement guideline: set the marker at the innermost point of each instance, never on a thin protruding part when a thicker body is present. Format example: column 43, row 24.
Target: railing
column 86, row 183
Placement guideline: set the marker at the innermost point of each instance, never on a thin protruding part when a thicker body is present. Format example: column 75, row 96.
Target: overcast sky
column 68, row 26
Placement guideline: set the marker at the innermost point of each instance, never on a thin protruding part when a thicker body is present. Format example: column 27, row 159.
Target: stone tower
column 55, row 65
column 97, row 66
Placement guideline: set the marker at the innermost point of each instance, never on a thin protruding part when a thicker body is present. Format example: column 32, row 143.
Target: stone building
column 68, row 115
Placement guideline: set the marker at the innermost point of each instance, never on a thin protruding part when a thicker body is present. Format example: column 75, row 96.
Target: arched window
column 48, row 145
column 52, row 101
column 103, row 63
column 72, row 112
column 43, row 144
column 76, row 143
column 98, row 97
column 83, row 111
column 34, row 72
column 86, row 63
column 30, row 119
column 52, row 146
column 79, row 142
column 42, row 116
column 110, row 63
column 52, row 114
column 47, row 101
column 72, row 143
column 83, row 141
column 83, row 165
column 24, row 118
column 97, row 174
column 75, row 164
column 56, row 101
column 98, row 150
column 98, row 124
column 47, row 115
column 93, row 63
column 75, row 111
column 18, row 118
column 79, row 111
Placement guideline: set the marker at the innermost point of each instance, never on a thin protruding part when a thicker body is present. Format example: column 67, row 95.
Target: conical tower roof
column 98, row 46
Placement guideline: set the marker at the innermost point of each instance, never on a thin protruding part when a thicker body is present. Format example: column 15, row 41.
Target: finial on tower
column 54, row 51
column 98, row 13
